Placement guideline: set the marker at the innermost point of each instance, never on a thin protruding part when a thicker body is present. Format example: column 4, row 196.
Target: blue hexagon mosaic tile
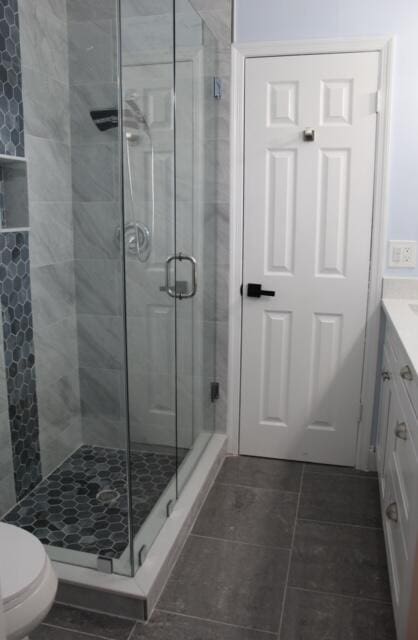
column 11, row 101
column 16, row 309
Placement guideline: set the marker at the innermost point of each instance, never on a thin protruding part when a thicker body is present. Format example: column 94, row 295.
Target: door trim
column 240, row 53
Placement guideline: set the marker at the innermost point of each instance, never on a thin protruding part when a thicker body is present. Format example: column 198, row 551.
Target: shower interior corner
column 109, row 193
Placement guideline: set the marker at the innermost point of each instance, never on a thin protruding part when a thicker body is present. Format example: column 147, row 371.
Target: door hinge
column 360, row 415
column 379, row 99
column 214, row 391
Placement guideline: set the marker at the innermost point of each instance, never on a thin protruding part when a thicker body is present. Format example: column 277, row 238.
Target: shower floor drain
column 107, row 496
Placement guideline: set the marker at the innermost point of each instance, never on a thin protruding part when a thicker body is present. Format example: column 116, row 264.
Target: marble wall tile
column 82, row 10
column 49, row 170
column 44, row 41
column 213, row 5
column 7, row 494
column 219, row 22
column 105, row 432
column 52, row 293
column 101, row 341
column 98, row 287
column 46, row 118
column 132, row 8
column 51, row 233
column 93, row 173
column 56, row 350
column 95, row 230
column 92, row 51
column 101, row 393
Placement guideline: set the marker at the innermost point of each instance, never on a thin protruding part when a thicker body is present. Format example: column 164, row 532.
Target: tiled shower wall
column 45, row 66
column 96, row 214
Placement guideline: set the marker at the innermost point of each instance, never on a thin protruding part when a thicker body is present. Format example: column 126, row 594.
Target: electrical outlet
column 402, row 254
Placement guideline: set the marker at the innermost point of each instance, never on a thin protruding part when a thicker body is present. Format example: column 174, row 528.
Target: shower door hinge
column 378, row 101
column 360, row 415
column 217, row 88
column 214, row 391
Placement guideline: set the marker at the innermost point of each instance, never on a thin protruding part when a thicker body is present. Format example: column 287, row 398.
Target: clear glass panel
column 195, row 57
column 149, row 163
column 68, row 437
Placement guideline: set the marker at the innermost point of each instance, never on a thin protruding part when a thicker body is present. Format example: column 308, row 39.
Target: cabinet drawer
column 395, row 547
column 404, row 372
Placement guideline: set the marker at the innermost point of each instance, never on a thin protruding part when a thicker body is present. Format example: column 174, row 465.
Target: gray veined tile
column 261, row 472
column 51, row 237
column 104, row 432
column 219, row 22
column 245, row 514
column 316, row 616
column 84, row 10
column 106, row 626
column 55, row 350
column 52, row 293
column 44, row 42
column 49, row 170
column 98, row 287
column 228, row 582
column 92, row 51
column 340, row 559
column 337, row 470
column 95, row 230
column 46, row 118
column 101, row 392
column 169, row 626
column 101, row 341
column 93, row 173
column 345, row 499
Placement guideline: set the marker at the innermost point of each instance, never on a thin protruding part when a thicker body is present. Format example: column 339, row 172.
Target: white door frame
column 240, row 52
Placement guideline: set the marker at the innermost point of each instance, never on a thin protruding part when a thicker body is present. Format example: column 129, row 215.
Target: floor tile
column 45, row 632
column 314, row 616
column 90, row 622
column 257, row 516
column 169, row 626
column 345, row 499
column 337, row 470
column 340, row 559
column 261, row 472
column 228, row 582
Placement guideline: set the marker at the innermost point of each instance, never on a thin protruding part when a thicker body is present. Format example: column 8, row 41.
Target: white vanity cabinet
column 397, row 461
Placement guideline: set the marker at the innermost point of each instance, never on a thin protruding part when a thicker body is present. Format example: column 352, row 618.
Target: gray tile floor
column 280, row 551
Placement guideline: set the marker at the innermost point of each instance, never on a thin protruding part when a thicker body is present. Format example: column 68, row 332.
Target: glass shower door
column 147, row 90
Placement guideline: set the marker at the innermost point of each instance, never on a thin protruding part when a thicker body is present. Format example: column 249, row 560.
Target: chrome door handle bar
column 172, row 291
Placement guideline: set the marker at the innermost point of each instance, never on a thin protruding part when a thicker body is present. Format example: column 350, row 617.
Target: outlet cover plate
column 402, row 254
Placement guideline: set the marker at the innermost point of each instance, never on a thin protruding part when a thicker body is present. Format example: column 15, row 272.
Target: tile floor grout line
column 279, row 631
column 83, row 633
column 214, row 621
column 131, row 634
column 248, row 486
column 95, row 611
column 341, row 524
column 341, row 595
column 248, row 544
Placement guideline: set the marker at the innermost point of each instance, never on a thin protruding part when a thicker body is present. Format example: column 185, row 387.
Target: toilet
column 27, row 580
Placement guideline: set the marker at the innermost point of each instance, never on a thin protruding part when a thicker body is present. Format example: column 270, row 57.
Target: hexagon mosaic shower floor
column 64, row 509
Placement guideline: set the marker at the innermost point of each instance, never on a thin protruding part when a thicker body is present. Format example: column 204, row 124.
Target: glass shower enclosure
column 118, row 435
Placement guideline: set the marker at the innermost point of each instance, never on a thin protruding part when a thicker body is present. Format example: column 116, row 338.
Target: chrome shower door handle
column 172, row 291
column 192, row 292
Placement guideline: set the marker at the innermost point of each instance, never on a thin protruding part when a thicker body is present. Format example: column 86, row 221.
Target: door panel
column 307, row 230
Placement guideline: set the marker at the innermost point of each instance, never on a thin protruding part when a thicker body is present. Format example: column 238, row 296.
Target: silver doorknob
column 401, row 431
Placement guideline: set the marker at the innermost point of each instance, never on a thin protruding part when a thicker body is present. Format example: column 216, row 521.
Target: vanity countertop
column 403, row 314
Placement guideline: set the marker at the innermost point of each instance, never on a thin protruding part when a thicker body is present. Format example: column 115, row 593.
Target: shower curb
column 136, row 597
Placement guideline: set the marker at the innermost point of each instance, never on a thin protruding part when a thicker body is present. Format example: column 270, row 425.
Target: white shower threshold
column 151, row 577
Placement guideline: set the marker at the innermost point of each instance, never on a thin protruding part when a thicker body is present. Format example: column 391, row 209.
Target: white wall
column 298, row 19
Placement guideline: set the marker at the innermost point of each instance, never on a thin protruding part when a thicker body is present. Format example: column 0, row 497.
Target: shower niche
column 14, row 210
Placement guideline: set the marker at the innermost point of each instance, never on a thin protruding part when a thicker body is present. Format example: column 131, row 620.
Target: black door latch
column 255, row 291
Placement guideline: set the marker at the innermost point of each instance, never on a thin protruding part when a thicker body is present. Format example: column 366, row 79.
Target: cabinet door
column 384, row 407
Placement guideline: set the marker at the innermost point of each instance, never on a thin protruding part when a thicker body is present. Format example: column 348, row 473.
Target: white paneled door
column 310, row 129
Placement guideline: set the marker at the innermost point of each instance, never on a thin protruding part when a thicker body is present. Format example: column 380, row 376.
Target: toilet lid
column 22, row 563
